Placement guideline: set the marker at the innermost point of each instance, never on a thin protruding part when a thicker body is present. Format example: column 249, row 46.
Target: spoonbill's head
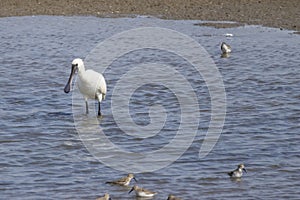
column 77, row 65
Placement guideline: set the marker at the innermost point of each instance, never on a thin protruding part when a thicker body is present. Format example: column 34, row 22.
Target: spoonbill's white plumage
column 91, row 84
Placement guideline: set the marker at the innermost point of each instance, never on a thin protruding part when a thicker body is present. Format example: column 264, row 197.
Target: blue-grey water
column 42, row 156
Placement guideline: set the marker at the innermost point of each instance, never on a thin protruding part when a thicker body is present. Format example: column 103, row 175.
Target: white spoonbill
column 91, row 84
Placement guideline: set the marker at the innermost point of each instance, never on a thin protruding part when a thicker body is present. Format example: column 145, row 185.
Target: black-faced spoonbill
column 91, row 84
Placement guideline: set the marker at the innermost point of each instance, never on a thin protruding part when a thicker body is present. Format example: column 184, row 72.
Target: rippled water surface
column 42, row 156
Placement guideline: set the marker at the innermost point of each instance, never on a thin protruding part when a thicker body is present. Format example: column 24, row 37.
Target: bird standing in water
column 123, row 181
column 106, row 197
column 91, row 84
column 141, row 192
column 226, row 48
column 172, row 197
column 238, row 173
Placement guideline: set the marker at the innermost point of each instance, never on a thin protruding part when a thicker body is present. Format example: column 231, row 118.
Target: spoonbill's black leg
column 99, row 109
column 87, row 107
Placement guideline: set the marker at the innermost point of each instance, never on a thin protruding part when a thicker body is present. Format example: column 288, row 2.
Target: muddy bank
column 273, row 13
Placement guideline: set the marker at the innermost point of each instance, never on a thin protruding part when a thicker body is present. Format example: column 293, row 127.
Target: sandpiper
column 172, row 197
column 225, row 48
column 123, row 181
column 140, row 192
column 106, row 197
column 237, row 173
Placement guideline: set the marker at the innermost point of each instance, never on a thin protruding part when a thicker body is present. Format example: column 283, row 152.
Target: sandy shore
column 273, row 13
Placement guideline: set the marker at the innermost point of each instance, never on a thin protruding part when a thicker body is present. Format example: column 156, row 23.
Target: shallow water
column 42, row 156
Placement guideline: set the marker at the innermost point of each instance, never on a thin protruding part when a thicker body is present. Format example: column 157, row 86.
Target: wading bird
column 123, row 181
column 238, row 173
column 225, row 48
column 91, row 84
column 106, row 197
column 140, row 192
column 172, row 197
